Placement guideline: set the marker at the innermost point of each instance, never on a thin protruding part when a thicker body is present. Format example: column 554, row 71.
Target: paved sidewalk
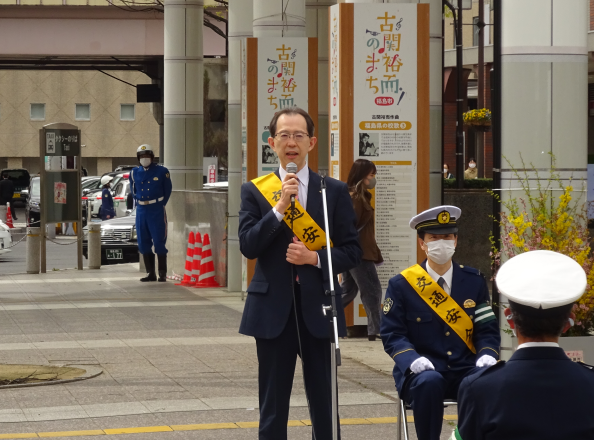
column 171, row 357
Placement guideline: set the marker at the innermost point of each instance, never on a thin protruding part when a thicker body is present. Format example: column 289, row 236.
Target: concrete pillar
column 94, row 246
column 544, row 92
column 240, row 27
column 279, row 18
column 544, row 86
column 183, row 92
column 14, row 162
column 317, row 27
column 104, row 165
column 33, row 249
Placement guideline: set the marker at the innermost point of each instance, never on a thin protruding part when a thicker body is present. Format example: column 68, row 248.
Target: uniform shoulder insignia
column 471, row 270
column 589, row 367
column 167, row 175
column 388, row 303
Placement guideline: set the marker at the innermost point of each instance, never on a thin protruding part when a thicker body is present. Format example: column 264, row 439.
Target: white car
column 5, row 239
column 120, row 194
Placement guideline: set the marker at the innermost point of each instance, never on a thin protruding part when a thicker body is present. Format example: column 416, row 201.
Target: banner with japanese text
column 334, row 28
column 282, row 83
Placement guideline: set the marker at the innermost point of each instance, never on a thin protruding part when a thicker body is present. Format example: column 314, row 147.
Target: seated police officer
column 437, row 324
column 539, row 393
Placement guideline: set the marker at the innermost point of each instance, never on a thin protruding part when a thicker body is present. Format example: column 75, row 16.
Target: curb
column 91, row 371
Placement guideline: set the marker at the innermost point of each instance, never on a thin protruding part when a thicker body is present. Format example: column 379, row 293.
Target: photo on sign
column 368, row 144
column 268, row 155
column 60, row 193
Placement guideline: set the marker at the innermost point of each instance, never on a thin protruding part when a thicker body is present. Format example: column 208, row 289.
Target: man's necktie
column 441, row 282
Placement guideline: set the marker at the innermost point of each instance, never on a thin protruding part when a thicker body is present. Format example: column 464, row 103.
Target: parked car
column 5, row 238
column 125, row 168
column 120, row 193
column 32, row 208
column 118, row 240
column 20, row 177
column 90, row 183
column 95, row 195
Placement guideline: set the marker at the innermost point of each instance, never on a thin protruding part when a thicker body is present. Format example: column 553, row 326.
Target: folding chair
column 403, row 423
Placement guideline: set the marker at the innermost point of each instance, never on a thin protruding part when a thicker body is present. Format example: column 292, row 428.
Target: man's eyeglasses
column 299, row 136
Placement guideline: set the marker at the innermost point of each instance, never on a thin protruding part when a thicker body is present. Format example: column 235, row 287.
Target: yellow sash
column 305, row 228
column 441, row 303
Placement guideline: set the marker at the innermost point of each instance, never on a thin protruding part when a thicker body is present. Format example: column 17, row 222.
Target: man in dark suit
column 6, row 194
column 283, row 309
column 438, row 325
column 539, row 393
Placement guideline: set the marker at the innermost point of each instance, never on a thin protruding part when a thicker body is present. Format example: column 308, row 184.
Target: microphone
column 292, row 168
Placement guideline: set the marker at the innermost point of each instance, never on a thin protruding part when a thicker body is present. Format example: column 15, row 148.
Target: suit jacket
column 410, row 329
column 538, row 394
column 6, row 191
column 263, row 237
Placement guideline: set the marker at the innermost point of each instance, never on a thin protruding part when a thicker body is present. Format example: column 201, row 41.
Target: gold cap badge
column 443, row 218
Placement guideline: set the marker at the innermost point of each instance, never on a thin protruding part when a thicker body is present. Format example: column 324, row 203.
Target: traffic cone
column 8, row 216
column 197, row 258
column 187, row 280
column 207, row 272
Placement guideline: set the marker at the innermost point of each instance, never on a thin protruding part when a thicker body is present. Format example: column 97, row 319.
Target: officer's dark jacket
column 538, row 394
column 6, row 191
column 262, row 236
column 151, row 184
column 106, row 204
column 411, row 329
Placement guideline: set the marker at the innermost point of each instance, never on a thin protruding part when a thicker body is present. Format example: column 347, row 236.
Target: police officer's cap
column 438, row 220
column 541, row 283
column 144, row 149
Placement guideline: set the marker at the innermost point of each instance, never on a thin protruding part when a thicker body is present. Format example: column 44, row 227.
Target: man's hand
column 299, row 254
column 420, row 365
column 486, row 361
column 290, row 187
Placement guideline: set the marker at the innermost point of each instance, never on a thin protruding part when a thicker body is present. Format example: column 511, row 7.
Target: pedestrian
column 438, row 324
column 471, row 172
column 6, row 195
column 446, row 172
column 364, row 277
column 512, row 400
column 107, row 210
column 283, row 309
column 151, row 185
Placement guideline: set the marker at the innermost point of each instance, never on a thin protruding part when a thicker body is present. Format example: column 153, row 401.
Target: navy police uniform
column 539, row 393
column 152, row 189
column 411, row 329
column 107, row 211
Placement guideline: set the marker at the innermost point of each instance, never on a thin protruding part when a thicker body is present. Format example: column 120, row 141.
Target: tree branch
column 208, row 24
column 215, row 16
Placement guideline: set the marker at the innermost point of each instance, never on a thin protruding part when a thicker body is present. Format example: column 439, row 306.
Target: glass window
column 82, row 112
column 35, row 188
column 38, row 112
column 127, row 112
column 475, row 31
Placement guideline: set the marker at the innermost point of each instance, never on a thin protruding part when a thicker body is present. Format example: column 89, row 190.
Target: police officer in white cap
column 151, row 185
column 539, row 393
column 438, row 325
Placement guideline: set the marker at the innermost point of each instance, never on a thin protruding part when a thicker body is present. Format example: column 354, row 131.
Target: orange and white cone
column 187, row 280
column 197, row 259
column 8, row 216
column 207, row 272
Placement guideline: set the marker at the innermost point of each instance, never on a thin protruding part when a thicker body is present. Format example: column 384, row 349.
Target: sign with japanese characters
column 282, row 83
column 375, row 62
column 62, row 142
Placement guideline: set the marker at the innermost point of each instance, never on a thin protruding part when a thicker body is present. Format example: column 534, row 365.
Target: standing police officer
column 151, row 185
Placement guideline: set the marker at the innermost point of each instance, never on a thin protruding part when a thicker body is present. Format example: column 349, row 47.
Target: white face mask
column 145, row 161
column 471, row 165
column 440, row 251
column 445, row 171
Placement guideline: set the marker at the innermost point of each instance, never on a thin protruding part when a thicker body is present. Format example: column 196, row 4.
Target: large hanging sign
column 333, row 86
column 381, row 112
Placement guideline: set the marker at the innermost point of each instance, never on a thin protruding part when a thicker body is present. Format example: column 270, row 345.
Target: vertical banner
column 381, row 63
column 282, row 83
column 244, row 265
column 333, row 34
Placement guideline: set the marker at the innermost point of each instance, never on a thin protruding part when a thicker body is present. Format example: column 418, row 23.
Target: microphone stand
column 331, row 311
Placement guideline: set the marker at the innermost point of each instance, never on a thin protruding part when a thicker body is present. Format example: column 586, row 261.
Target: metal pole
column 42, row 208
column 334, row 347
column 481, row 85
column 459, row 103
column 79, row 232
column 496, row 125
column 33, row 254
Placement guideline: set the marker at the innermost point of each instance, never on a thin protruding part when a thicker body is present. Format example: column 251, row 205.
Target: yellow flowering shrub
column 542, row 219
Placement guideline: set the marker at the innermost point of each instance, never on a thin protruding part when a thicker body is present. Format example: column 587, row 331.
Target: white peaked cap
column 439, row 220
column 542, row 279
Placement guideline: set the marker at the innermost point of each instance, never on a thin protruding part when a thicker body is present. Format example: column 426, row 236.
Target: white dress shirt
column 446, row 276
column 537, row 344
column 303, row 178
